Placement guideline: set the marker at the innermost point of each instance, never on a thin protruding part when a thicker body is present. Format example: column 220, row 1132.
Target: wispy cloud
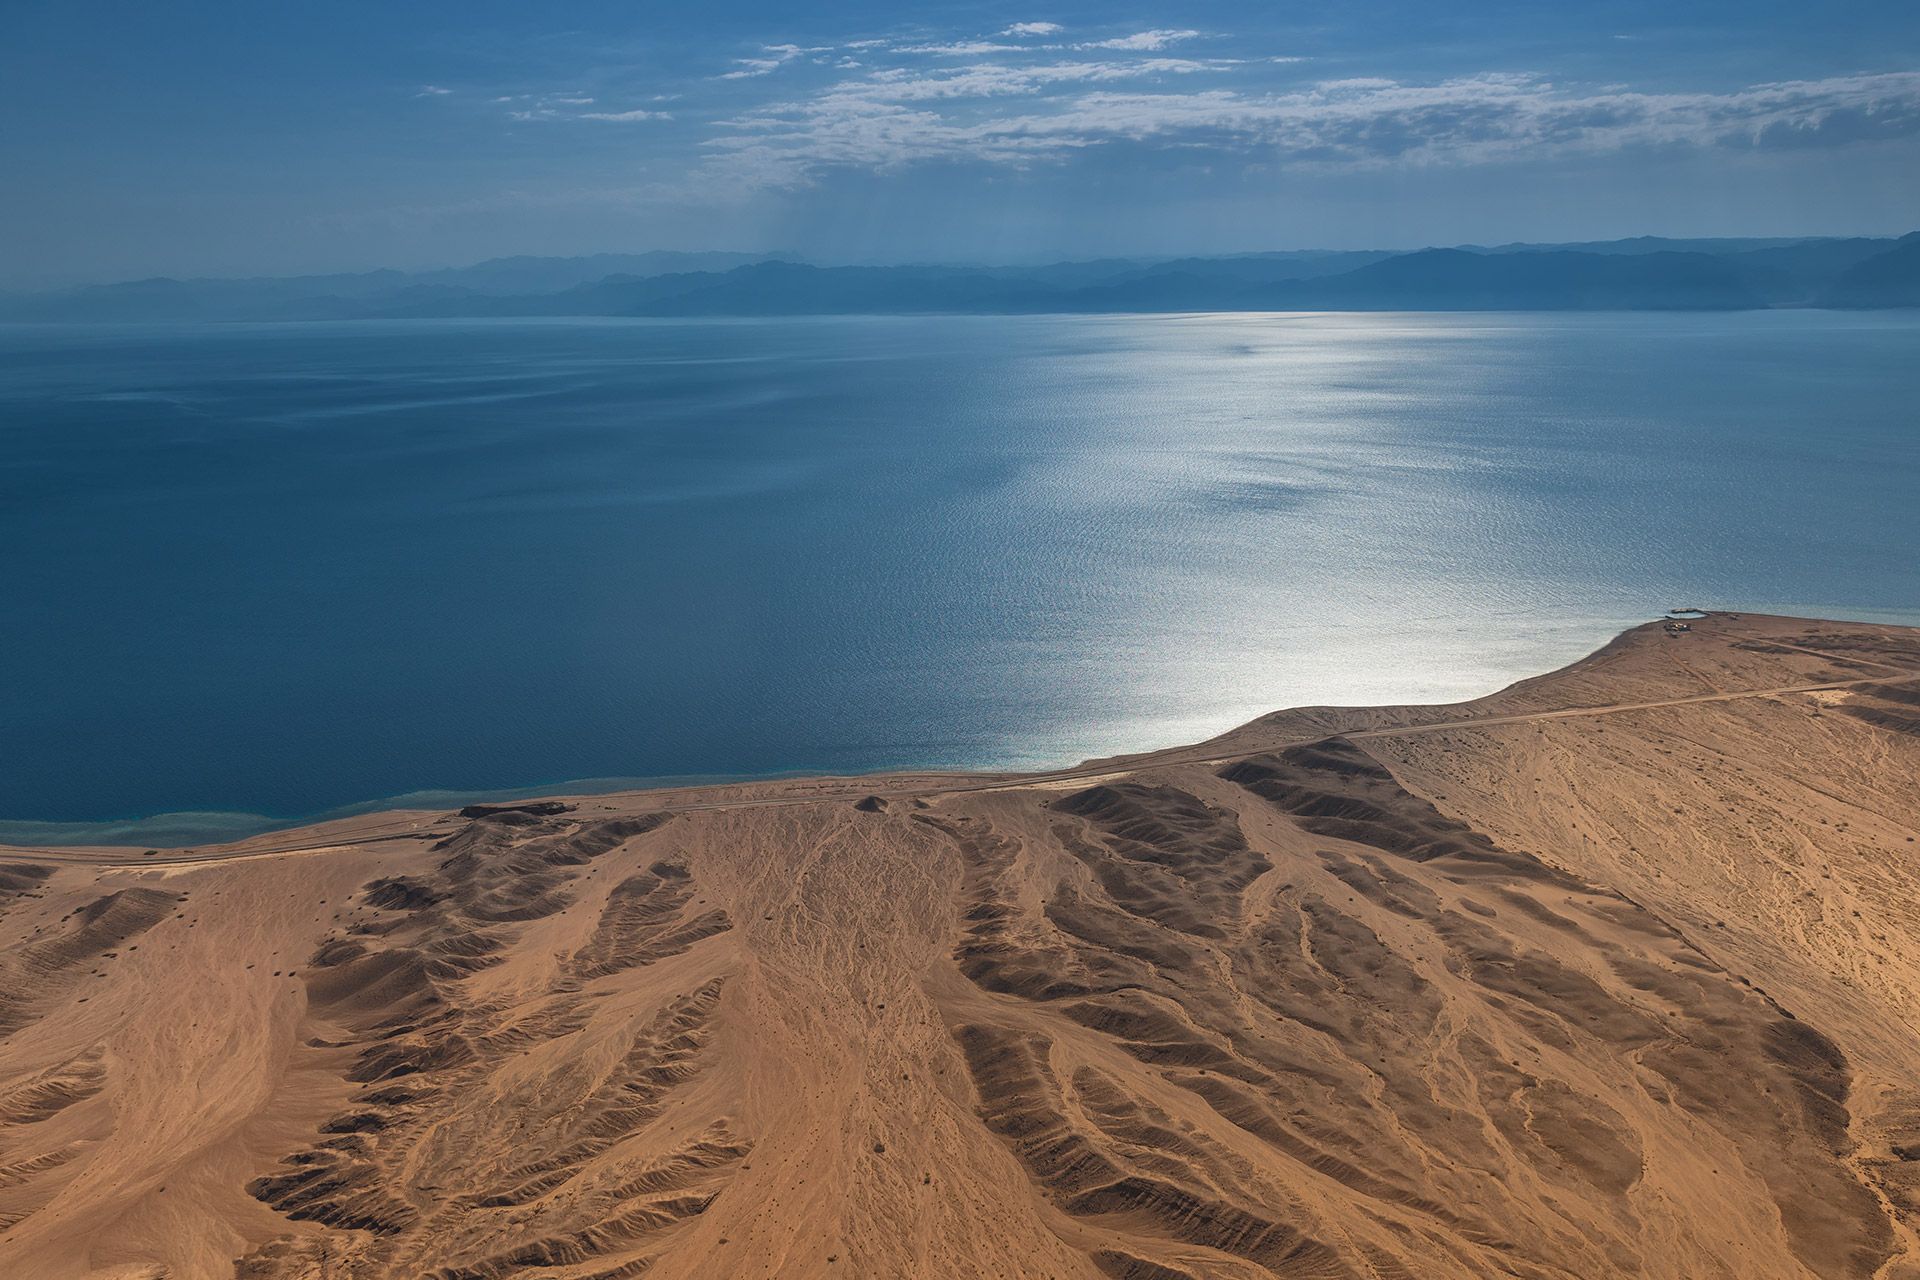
column 624, row 116
column 958, row 49
column 999, row 80
column 1142, row 41
column 883, row 104
column 777, row 56
column 432, row 91
column 902, row 116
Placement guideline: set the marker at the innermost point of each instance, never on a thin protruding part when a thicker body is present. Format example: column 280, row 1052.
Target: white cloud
column 432, row 91
column 958, row 49
column 900, row 117
column 1146, row 41
column 624, row 116
column 998, row 80
column 749, row 67
column 778, row 56
column 1040, row 102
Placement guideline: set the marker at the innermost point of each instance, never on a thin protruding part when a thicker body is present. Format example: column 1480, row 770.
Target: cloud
column 1045, row 102
column 958, row 49
column 778, row 56
column 749, row 67
column 999, row 80
column 432, row 91
column 624, row 116
column 1147, row 41
column 1019, row 116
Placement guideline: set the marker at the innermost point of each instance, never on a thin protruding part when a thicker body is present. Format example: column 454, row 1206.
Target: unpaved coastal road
column 423, row 826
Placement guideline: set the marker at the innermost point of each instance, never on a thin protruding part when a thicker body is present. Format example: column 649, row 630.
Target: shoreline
column 214, row 826
column 1583, row 631
column 397, row 818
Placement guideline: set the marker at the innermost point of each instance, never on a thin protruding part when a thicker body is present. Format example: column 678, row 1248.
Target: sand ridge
column 1611, row 973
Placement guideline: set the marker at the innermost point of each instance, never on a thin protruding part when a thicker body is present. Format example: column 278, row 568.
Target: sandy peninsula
column 1613, row 973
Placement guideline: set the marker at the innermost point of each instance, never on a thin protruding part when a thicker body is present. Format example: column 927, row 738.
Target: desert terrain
column 1613, row 973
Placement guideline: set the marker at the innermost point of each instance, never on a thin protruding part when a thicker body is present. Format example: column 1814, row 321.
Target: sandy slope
column 1613, row 973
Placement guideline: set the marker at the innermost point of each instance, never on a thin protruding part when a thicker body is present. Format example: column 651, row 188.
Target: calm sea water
column 274, row 570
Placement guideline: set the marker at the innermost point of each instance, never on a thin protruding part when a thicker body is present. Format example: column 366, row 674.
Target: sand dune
column 1614, row 973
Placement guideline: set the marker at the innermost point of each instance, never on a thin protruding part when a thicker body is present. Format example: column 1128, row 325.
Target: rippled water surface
column 279, row 569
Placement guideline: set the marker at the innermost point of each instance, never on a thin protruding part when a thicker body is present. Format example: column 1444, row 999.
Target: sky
column 221, row 138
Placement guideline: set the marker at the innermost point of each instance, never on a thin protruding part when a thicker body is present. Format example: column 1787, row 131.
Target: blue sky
column 219, row 138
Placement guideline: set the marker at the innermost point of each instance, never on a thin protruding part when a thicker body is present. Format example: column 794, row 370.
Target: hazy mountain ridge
column 1643, row 273
column 1888, row 279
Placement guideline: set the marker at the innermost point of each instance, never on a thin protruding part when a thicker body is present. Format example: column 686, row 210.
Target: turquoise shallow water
column 274, row 570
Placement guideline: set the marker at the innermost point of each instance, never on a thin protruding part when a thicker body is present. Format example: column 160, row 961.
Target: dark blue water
column 274, row 570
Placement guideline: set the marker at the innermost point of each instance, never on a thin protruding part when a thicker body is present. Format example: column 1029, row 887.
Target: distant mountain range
column 1644, row 273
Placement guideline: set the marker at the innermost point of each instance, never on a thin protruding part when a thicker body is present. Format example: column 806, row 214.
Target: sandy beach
column 1613, row 973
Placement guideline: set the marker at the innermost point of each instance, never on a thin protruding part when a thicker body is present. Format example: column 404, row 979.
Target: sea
column 254, row 574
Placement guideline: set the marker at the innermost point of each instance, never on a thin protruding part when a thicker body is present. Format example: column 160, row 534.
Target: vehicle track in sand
column 423, row 829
